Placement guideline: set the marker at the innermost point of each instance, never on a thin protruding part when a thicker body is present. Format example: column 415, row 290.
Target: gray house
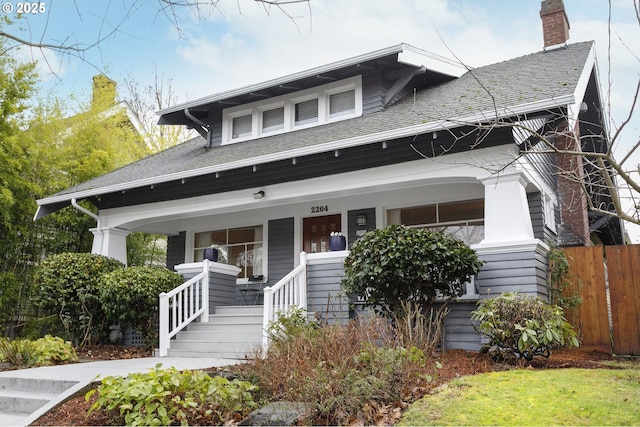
column 394, row 136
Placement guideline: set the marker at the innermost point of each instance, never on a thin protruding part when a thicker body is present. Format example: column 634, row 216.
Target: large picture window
column 462, row 220
column 241, row 247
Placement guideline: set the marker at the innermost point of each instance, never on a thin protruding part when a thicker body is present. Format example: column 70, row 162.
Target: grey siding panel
column 175, row 250
column 540, row 229
column 324, row 293
column 523, row 272
column 281, row 256
column 372, row 93
column 458, row 329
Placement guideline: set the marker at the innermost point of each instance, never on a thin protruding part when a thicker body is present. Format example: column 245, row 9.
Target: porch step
column 233, row 332
column 20, row 397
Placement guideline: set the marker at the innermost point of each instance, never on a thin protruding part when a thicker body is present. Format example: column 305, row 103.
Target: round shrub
column 522, row 327
column 66, row 285
column 393, row 266
column 130, row 296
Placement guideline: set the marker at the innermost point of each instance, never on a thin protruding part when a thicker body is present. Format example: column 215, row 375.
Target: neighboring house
column 388, row 137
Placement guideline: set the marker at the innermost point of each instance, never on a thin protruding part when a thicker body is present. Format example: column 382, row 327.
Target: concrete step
column 220, row 353
column 215, row 334
column 20, row 397
column 256, row 310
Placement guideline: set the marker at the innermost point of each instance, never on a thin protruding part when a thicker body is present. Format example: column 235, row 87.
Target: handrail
column 289, row 291
column 182, row 305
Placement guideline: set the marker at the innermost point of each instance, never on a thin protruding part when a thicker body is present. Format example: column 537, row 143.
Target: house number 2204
column 318, row 209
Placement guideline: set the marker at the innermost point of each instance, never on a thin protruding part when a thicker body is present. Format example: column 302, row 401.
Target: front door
column 316, row 231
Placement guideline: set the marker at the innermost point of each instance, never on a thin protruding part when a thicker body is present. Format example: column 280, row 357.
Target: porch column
column 111, row 242
column 506, row 210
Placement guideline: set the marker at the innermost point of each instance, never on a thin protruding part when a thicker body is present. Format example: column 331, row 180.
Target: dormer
column 334, row 92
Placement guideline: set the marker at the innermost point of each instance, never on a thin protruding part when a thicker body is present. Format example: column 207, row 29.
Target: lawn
column 534, row 397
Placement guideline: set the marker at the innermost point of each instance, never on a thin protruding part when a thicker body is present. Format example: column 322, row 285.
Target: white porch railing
column 182, row 306
column 289, row 291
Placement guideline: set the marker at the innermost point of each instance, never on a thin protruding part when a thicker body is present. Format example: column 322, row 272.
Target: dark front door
column 316, row 231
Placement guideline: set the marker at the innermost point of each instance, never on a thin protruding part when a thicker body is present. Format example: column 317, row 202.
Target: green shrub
column 171, row 397
column 522, row 326
column 41, row 352
column 289, row 325
column 66, row 284
column 391, row 266
column 130, row 296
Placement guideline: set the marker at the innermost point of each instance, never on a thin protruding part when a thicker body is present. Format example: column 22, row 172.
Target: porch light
column 258, row 195
column 361, row 220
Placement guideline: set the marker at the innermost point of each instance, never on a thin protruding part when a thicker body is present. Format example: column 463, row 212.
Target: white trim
column 494, row 248
column 330, row 257
column 196, row 267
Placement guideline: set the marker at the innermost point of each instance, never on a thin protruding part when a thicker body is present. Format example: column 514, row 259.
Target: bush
column 342, row 372
column 41, row 352
column 171, row 397
column 391, row 266
column 66, row 284
column 522, row 327
column 130, row 296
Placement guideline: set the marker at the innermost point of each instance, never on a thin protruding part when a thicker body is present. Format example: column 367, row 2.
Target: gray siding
column 523, row 272
column 222, row 288
column 458, row 331
column 536, row 210
column 175, row 250
column 372, row 93
column 325, row 297
column 281, row 254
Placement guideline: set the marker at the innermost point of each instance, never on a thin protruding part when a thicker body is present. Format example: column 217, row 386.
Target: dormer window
column 242, row 126
column 306, row 112
column 273, row 120
column 306, row 108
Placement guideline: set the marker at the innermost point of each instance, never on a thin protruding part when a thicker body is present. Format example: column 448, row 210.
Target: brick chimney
column 555, row 24
column 104, row 92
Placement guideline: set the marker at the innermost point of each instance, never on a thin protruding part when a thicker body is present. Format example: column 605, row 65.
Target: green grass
column 534, row 398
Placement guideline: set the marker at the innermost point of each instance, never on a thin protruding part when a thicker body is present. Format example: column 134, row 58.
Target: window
column 342, row 103
column 241, row 247
column 306, row 112
column 273, row 120
column 462, row 220
column 242, row 126
column 315, row 106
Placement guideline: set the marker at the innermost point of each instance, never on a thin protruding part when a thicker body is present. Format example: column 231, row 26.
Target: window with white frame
column 310, row 107
column 241, row 247
column 462, row 220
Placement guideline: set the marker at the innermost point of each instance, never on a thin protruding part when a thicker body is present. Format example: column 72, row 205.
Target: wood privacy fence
column 609, row 317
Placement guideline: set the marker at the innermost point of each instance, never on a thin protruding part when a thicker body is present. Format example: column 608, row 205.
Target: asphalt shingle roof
column 504, row 85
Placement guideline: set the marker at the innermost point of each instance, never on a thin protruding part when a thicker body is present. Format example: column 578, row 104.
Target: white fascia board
column 412, row 55
column 285, row 79
column 468, row 120
column 581, row 85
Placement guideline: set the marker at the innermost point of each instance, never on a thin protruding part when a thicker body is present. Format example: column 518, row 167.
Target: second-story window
column 242, row 126
column 315, row 106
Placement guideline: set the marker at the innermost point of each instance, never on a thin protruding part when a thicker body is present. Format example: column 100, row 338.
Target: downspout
column 75, row 204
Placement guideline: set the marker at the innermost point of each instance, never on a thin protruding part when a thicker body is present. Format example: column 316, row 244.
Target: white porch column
column 506, row 210
column 111, row 242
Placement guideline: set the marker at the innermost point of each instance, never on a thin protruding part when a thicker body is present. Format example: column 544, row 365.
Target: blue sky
column 241, row 43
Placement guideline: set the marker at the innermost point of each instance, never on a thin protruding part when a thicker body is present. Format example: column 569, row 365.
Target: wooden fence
column 609, row 317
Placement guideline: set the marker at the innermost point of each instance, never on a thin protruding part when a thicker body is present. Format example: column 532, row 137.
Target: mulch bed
column 455, row 363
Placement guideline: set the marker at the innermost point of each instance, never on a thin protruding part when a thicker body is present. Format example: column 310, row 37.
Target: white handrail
column 182, row 305
column 289, row 291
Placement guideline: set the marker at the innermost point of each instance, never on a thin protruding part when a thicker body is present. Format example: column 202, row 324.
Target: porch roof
column 530, row 84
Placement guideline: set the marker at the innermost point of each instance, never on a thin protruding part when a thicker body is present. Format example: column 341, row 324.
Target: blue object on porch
column 211, row 254
column 337, row 243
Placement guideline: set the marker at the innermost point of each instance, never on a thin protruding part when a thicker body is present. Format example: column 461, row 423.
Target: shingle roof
column 514, row 85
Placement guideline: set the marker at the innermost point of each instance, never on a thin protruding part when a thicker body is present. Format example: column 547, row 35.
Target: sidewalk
column 31, row 384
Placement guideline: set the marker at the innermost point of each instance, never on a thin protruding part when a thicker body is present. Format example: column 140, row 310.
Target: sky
column 242, row 42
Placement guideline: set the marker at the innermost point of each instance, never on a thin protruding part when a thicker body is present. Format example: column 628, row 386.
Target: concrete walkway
column 27, row 394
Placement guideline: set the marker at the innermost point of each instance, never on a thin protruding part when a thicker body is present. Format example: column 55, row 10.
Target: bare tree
column 145, row 100
column 171, row 10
